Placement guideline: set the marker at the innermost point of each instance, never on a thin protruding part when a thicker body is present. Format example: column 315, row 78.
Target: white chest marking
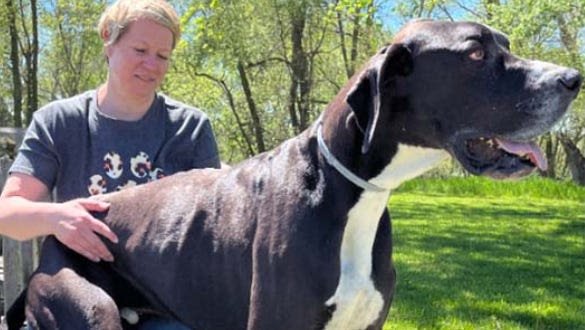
column 408, row 163
column 357, row 303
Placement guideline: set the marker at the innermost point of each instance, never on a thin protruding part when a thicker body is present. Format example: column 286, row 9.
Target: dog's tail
column 14, row 318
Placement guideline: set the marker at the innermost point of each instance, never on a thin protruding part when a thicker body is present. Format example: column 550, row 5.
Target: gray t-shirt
column 76, row 150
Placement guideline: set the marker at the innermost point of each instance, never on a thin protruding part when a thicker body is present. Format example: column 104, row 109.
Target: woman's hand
column 76, row 228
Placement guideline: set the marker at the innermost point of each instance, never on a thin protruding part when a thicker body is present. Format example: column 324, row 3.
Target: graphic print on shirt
column 97, row 185
column 119, row 174
column 113, row 165
column 140, row 165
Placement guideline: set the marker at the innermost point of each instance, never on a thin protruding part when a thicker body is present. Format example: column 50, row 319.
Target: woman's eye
column 162, row 57
column 477, row 55
column 139, row 50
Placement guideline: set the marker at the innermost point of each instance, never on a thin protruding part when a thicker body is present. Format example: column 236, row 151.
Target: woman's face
column 139, row 60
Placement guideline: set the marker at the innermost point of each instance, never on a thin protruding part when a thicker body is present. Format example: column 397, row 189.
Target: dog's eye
column 477, row 55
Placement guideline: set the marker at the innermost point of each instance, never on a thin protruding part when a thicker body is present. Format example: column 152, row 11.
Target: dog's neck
column 356, row 294
column 382, row 168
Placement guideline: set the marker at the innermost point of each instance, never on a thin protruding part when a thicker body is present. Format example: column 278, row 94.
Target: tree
column 357, row 17
column 73, row 55
column 221, row 54
column 20, row 20
column 575, row 160
column 29, row 47
column 14, row 61
column 275, row 63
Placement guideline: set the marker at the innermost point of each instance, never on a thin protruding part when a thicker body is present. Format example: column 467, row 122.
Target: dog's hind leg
column 65, row 300
column 61, row 294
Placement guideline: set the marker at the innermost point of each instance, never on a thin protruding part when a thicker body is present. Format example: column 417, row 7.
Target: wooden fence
column 19, row 258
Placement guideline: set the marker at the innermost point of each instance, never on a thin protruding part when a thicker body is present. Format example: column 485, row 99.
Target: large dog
column 299, row 237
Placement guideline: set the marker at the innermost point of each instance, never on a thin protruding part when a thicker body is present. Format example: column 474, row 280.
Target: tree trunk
column 300, row 75
column 341, row 32
column 355, row 36
column 550, row 154
column 15, row 66
column 575, row 161
column 256, row 123
column 30, row 48
column 292, row 105
column 351, row 60
column 248, row 144
column 32, row 70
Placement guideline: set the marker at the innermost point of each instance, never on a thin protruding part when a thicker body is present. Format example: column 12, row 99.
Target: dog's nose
column 571, row 79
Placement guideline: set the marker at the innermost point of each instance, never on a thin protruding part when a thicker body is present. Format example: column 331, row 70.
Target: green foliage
column 337, row 37
column 436, row 9
column 487, row 260
column 73, row 60
column 258, row 34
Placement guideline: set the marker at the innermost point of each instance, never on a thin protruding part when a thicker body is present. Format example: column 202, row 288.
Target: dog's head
column 456, row 86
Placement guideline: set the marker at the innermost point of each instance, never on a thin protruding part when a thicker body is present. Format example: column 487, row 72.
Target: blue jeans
column 161, row 324
column 154, row 324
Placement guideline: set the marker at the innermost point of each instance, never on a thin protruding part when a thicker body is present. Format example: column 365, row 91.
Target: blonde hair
column 117, row 18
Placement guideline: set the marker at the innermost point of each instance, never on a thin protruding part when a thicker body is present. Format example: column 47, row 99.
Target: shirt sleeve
column 37, row 155
column 206, row 152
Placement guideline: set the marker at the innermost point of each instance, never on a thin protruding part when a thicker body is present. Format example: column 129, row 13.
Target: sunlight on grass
column 488, row 261
column 533, row 187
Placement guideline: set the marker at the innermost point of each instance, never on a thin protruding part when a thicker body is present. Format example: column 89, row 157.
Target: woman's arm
column 24, row 214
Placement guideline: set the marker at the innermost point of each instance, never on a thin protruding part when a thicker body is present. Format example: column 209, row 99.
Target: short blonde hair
column 117, row 18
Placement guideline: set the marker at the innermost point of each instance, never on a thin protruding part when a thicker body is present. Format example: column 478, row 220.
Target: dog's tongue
column 525, row 149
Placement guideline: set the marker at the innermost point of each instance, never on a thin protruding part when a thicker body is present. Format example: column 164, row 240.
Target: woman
column 121, row 134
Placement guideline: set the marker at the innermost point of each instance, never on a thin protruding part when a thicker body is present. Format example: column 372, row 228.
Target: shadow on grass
column 489, row 262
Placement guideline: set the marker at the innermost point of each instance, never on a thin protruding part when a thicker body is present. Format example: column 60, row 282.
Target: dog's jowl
column 299, row 237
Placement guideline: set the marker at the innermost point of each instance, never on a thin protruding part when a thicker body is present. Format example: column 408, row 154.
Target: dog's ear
column 374, row 86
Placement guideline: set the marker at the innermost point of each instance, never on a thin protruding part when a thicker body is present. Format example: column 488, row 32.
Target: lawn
column 478, row 254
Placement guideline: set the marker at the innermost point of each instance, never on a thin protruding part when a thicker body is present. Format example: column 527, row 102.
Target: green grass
column 479, row 254
column 533, row 187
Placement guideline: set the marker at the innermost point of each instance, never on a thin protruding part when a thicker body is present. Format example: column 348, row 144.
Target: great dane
column 300, row 237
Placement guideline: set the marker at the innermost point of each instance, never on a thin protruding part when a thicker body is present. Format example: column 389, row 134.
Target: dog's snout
column 571, row 80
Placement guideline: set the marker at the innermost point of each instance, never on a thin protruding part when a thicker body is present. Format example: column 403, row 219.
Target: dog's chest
column 357, row 302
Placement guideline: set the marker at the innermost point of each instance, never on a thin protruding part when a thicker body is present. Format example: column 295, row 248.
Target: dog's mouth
column 499, row 158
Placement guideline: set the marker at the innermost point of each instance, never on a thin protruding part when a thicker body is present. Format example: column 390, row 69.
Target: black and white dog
column 299, row 237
